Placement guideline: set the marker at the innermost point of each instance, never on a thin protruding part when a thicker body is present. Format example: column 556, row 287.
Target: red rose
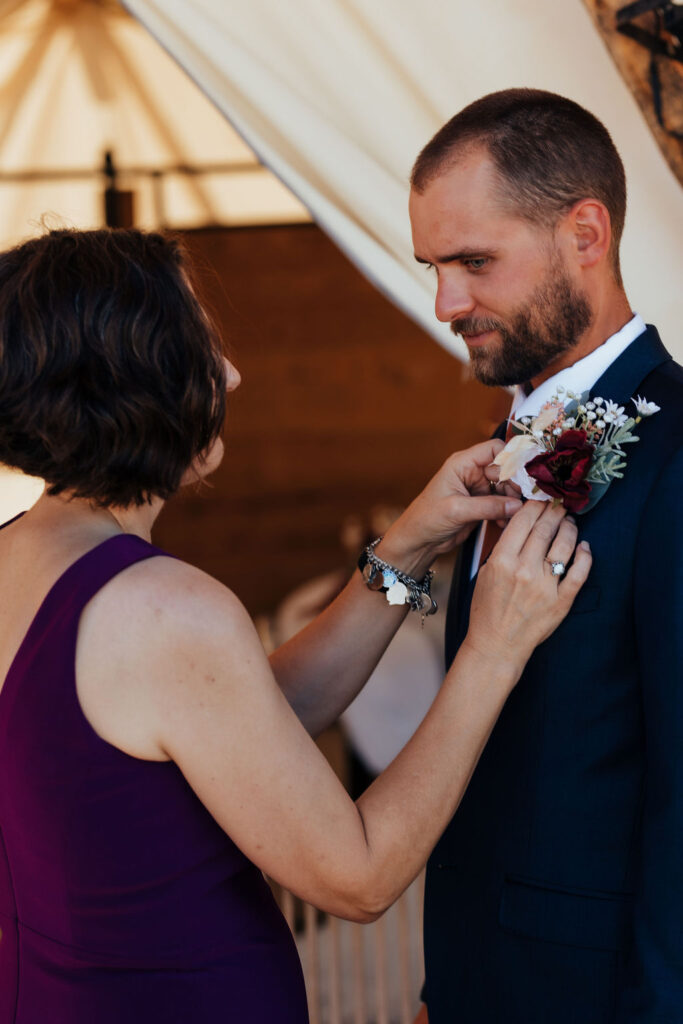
column 562, row 472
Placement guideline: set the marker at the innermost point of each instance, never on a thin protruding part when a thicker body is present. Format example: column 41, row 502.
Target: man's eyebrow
column 462, row 254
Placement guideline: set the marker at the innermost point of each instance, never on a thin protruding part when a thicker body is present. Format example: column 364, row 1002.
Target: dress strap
column 12, row 520
column 88, row 574
column 62, row 606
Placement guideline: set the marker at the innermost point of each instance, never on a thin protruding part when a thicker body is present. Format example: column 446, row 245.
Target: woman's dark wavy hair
column 112, row 380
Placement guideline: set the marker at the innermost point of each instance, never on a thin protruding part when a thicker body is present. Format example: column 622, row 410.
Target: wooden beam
column 633, row 61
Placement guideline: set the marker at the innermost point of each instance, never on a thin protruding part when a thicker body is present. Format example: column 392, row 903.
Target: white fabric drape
column 81, row 77
column 338, row 96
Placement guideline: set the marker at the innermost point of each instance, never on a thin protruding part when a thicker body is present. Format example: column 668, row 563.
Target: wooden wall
column 344, row 404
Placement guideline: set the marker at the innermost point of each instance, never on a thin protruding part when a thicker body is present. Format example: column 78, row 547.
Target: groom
column 555, row 896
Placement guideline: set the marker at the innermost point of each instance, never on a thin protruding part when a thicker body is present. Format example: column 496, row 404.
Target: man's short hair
column 548, row 151
column 112, row 380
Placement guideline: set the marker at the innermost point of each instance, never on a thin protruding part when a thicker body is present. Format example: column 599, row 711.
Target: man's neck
column 606, row 322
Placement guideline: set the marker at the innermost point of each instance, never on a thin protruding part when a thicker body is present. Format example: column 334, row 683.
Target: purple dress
column 122, row 901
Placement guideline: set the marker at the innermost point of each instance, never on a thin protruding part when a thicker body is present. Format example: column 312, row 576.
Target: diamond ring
column 557, row 568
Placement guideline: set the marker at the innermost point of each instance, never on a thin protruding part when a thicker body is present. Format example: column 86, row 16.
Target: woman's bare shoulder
column 150, row 638
column 167, row 595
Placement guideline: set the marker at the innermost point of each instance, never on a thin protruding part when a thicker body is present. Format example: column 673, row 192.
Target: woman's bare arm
column 197, row 688
column 323, row 667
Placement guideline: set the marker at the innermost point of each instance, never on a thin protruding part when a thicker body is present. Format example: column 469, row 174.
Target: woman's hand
column 518, row 602
column 454, row 501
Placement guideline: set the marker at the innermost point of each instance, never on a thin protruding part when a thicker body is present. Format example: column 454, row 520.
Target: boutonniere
column 571, row 452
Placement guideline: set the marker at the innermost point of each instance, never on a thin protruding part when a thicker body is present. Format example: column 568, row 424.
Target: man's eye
column 477, row 263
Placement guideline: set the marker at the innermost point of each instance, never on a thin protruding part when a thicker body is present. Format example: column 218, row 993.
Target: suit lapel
column 621, row 380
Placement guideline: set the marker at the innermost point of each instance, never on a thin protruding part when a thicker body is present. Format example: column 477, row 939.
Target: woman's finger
column 482, row 454
column 517, row 531
column 469, row 466
column 577, row 575
column 492, row 506
column 562, row 547
column 492, row 474
column 543, row 532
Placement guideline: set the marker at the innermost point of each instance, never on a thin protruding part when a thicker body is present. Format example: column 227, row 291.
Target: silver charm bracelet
column 399, row 587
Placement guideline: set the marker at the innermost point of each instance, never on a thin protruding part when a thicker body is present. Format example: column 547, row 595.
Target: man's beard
column 549, row 325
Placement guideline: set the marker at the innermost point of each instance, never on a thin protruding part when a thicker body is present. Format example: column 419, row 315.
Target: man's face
column 502, row 282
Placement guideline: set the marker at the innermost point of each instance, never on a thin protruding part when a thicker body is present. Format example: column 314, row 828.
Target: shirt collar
column 582, row 375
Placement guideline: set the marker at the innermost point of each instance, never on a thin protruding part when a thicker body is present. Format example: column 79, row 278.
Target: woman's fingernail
column 570, row 519
column 585, row 545
column 512, row 506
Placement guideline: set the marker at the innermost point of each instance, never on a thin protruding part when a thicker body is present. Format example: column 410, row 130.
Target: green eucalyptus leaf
column 597, row 492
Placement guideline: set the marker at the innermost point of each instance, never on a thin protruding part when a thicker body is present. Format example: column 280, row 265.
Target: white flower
column 513, row 458
column 526, row 420
column 557, row 431
column 621, row 420
column 590, row 405
column 560, row 390
column 644, row 407
column 570, row 394
column 591, row 415
column 599, row 401
column 528, row 486
column 600, row 424
column 582, row 409
column 614, row 409
column 609, row 417
column 569, row 422
column 516, row 453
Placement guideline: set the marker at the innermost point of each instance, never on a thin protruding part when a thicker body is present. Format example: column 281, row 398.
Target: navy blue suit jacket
column 555, row 895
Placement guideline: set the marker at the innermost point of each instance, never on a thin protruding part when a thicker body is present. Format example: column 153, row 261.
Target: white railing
column 361, row 974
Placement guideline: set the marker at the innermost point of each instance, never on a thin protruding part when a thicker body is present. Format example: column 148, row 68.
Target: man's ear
column 590, row 227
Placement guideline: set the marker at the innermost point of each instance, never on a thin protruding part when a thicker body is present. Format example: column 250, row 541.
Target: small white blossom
column 569, row 422
column 557, row 431
column 537, row 433
column 591, row 415
column 614, row 408
column 570, row 394
column 599, row 401
column 621, row 420
column 526, row 420
column 582, row 409
column 644, row 407
column 590, row 405
column 560, row 390
column 600, row 424
column 609, row 417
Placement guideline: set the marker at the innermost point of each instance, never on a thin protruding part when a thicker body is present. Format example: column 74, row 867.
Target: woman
column 151, row 759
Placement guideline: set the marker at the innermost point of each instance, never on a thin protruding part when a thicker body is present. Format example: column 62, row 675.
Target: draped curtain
column 337, row 97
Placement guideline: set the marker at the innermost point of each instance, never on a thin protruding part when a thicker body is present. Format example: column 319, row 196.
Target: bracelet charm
column 398, row 586
column 397, row 593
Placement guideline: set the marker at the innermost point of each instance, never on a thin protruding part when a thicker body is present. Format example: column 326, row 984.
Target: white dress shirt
column 577, row 378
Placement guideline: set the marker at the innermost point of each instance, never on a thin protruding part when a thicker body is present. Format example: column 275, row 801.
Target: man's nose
column 453, row 300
